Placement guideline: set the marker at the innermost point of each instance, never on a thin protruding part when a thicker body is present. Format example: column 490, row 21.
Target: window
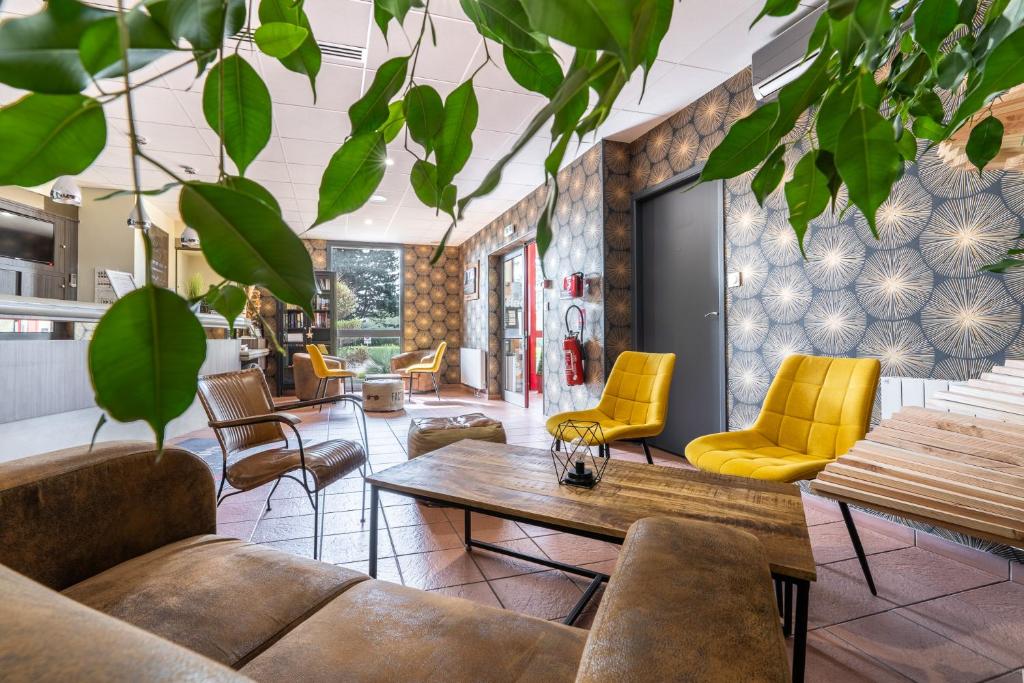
column 368, row 306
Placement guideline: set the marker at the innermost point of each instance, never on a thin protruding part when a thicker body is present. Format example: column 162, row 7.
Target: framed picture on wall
column 470, row 282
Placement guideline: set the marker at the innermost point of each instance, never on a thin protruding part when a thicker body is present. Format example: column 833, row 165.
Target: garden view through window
column 368, row 306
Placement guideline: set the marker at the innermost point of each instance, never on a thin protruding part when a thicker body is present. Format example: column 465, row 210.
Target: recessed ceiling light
column 189, row 170
column 389, row 162
column 378, row 198
column 368, row 221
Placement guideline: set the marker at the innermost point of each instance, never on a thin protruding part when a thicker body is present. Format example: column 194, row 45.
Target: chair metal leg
column 323, row 521
column 410, row 387
column 362, row 514
column 316, row 525
column 647, row 451
column 858, row 548
column 437, row 392
column 270, row 495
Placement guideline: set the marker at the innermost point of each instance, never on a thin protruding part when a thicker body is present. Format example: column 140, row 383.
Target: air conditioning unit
column 785, row 58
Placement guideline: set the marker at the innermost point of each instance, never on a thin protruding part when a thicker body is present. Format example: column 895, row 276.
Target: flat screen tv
column 25, row 238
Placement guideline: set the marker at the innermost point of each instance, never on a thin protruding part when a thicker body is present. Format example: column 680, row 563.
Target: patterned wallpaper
column 432, row 304
column 578, row 246
column 914, row 299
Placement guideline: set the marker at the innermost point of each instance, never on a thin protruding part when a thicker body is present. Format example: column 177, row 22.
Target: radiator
column 473, row 368
column 908, row 391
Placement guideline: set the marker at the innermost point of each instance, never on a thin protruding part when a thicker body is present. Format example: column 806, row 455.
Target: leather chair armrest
column 257, row 419
column 404, row 360
column 687, row 601
column 71, row 514
column 336, row 363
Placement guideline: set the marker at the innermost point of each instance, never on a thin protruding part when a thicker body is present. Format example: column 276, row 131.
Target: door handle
column 711, row 314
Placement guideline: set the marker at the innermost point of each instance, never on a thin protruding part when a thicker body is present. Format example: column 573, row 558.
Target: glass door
column 513, row 323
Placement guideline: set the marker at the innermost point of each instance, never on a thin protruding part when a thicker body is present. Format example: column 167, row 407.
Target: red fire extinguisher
column 572, row 347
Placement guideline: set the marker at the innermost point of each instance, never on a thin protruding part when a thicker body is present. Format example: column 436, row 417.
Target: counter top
column 33, row 308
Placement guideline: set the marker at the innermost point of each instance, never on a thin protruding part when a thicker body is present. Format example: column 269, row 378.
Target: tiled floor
column 935, row 618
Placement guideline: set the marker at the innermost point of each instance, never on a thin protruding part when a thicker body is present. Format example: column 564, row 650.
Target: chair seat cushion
column 328, row 461
column 611, row 429
column 379, row 631
column 750, row 454
column 220, row 597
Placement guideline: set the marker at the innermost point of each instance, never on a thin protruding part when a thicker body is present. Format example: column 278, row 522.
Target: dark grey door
column 680, row 270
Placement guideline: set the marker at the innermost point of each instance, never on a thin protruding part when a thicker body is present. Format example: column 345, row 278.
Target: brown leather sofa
column 306, row 381
column 420, row 382
column 113, row 572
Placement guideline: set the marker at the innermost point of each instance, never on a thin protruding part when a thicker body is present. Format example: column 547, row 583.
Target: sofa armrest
column 404, row 360
column 70, row 514
column 687, row 601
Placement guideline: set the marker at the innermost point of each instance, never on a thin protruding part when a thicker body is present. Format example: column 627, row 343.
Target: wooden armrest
column 256, row 419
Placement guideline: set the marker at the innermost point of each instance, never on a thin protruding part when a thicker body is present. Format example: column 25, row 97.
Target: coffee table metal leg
column 374, row 511
column 582, row 603
column 787, row 609
column 803, row 592
column 469, row 530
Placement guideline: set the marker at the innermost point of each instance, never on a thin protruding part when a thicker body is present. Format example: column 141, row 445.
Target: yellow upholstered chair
column 430, row 367
column 634, row 402
column 815, row 410
column 326, row 374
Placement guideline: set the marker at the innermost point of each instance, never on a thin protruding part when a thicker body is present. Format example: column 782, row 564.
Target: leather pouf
column 430, row 433
column 383, row 395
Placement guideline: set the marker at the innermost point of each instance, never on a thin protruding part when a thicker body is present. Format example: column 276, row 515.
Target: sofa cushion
column 221, row 597
column 379, row 631
column 44, row 636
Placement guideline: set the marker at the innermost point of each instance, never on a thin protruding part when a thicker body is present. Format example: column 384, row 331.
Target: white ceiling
column 707, row 43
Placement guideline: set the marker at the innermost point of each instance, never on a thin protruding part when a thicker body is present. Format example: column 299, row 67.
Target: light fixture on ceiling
column 66, row 191
column 189, row 170
column 190, row 238
column 368, row 221
column 389, row 162
column 378, row 199
column 138, row 218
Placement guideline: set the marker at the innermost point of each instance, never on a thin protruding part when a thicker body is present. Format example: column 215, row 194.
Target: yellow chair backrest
column 819, row 406
column 317, row 360
column 637, row 388
column 435, row 364
column 323, row 349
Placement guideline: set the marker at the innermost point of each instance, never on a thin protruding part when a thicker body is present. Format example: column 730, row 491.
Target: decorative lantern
column 573, row 453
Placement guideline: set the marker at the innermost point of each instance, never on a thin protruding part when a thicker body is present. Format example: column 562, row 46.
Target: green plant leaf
column 45, row 136
column 352, row 175
column 246, row 109
column 776, row 8
column 145, row 356
column 100, row 46
column 872, row 18
column 588, row 24
column 247, row 242
column 149, row 193
column 797, row 96
column 832, row 115
column 424, row 183
column 846, row 40
column 985, row 141
column 840, row 9
column 908, row 146
column 251, row 187
column 933, row 21
column 305, row 60
column 770, row 175
column 868, row 161
column 928, row 128
column 504, row 21
column 370, row 112
column 1004, row 69
column 39, row 52
column 454, row 142
column 424, row 114
column 536, row 71
column 651, row 20
column 200, row 22
column 396, row 120
column 747, row 143
column 385, row 10
column 807, row 195
column 229, row 301
column 952, row 68
column 279, row 39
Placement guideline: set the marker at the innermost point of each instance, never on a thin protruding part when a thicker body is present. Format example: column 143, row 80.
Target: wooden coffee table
column 518, row 483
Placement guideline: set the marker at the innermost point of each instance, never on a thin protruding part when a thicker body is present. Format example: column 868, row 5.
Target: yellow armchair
column 634, row 402
column 430, row 367
column 815, row 410
column 326, row 374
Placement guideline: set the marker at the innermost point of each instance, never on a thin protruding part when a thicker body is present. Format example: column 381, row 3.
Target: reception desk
column 47, row 398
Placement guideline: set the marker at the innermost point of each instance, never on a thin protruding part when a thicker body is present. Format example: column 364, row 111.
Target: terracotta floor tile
column 487, row 528
column 830, row 659
column 424, row 538
column 387, row 568
column 439, row 569
column 912, row 575
column 286, row 528
column 916, row 652
column 972, row 557
column 576, row 549
column 477, row 592
column 1011, row 677
column 241, row 530
column 547, row 595
column 339, row 548
column 498, row 566
column 831, row 542
column 840, row 594
column 820, row 510
column 987, row 620
column 411, row 515
column 535, row 531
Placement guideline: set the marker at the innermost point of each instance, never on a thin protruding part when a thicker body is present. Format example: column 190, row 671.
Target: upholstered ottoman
column 430, row 433
column 383, row 393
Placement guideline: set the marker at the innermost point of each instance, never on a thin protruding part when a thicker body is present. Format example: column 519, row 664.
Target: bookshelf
column 297, row 329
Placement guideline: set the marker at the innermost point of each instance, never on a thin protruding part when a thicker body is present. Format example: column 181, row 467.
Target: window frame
column 349, row 333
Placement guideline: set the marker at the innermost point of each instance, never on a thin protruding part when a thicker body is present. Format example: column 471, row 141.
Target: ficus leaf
column 872, row 19
column 933, row 21
column 352, row 174
column 797, row 96
column 307, row 58
column 396, row 120
column 424, row 183
column 832, row 115
column 246, row 110
column 908, row 146
column 370, row 111
column 776, row 8
column 228, row 300
column 279, row 39
column 145, row 356
column 247, row 242
column 868, row 161
column 536, row 71
column 100, row 46
column 1004, row 69
column 807, row 195
column 45, row 136
column 506, row 22
column 747, row 143
column 454, row 142
column 200, row 22
column 839, row 9
column 845, row 39
column 588, row 24
column 985, row 141
column 424, row 114
column 251, row 187
column 772, row 171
